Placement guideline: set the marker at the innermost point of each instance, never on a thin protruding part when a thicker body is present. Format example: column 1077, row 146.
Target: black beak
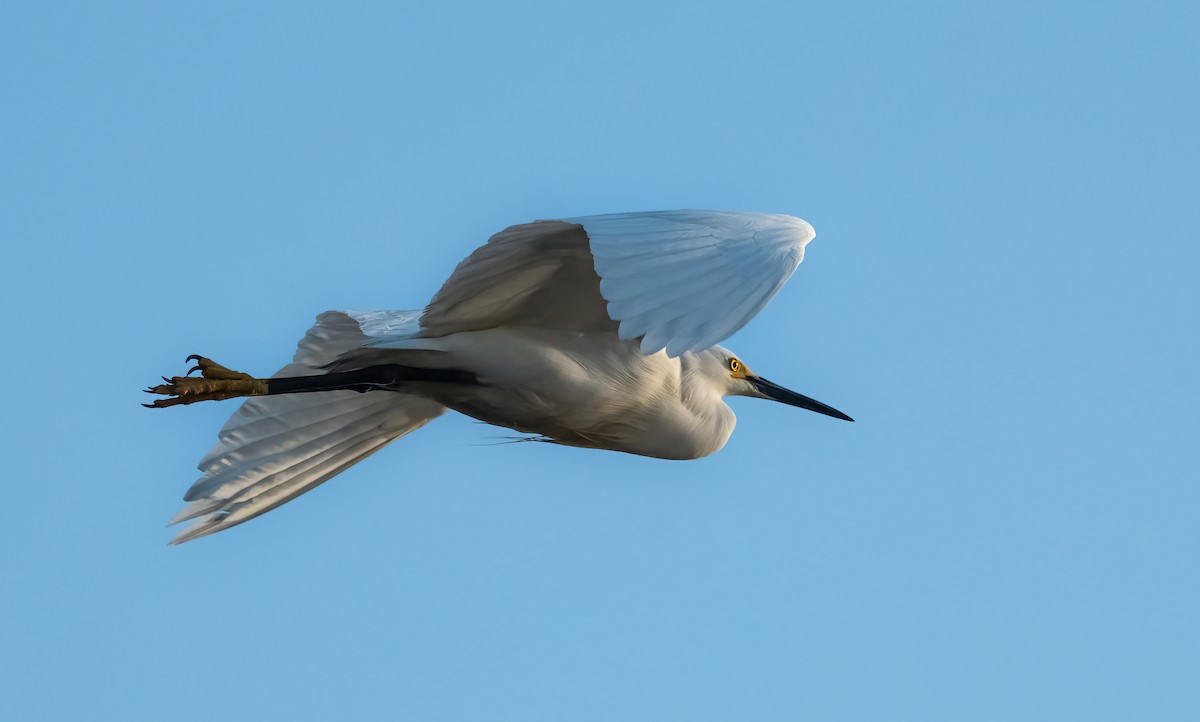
column 791, row 398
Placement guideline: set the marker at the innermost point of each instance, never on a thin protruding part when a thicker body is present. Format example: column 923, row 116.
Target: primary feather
column 275, row 448
column 687, row 280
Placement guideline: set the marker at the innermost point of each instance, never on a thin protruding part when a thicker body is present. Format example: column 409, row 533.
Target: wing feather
column 745, row 257
column 679, row 280
column 536, row 274
column 661, row 312
column 275, row 448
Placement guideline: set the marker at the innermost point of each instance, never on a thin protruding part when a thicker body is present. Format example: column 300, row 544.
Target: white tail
column 275, row 448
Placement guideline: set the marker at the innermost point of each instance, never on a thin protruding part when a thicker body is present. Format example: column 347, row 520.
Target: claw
column 214, row 384
column 193, row 357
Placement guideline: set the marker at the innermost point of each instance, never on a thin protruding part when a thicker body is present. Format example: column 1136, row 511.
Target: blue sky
column 1002, row 292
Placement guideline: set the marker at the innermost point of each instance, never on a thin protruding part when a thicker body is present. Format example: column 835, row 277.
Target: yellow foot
column 214, row 383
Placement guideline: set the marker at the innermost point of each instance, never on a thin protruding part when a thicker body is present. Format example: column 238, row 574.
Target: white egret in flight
column 599, row 332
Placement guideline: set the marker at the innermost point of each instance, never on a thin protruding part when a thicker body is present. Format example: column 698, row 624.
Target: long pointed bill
column 791, row 398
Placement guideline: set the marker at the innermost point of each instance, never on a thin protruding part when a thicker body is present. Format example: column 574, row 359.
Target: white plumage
column 596, row 332
column 686, row 280
column 275, row 448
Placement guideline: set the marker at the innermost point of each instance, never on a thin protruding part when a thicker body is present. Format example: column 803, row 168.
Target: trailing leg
column 216, row 382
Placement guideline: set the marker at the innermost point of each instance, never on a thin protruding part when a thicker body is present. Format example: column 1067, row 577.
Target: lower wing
column 275, row 448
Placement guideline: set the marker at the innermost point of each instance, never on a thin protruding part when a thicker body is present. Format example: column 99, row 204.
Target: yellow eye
column 735, row 365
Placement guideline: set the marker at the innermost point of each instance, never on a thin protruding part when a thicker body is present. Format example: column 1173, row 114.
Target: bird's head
column 731, row 374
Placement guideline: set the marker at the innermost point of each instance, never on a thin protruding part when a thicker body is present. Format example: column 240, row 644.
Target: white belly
column 591, row 390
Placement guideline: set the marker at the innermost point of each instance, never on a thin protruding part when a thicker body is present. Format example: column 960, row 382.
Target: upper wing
column 535, row 274
column 679, row 280
column 686, row 280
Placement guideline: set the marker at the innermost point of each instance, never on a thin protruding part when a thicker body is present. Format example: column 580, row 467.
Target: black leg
column 217, row 382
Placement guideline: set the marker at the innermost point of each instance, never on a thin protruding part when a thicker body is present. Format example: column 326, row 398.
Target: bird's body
column 588, row 389
column 596, row 332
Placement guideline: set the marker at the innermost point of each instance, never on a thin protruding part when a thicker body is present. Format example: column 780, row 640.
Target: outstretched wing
column 679, row 280
column 686, row 280
column 275, row 448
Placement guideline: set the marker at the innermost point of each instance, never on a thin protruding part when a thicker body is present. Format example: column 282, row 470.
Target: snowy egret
column 597, row 332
